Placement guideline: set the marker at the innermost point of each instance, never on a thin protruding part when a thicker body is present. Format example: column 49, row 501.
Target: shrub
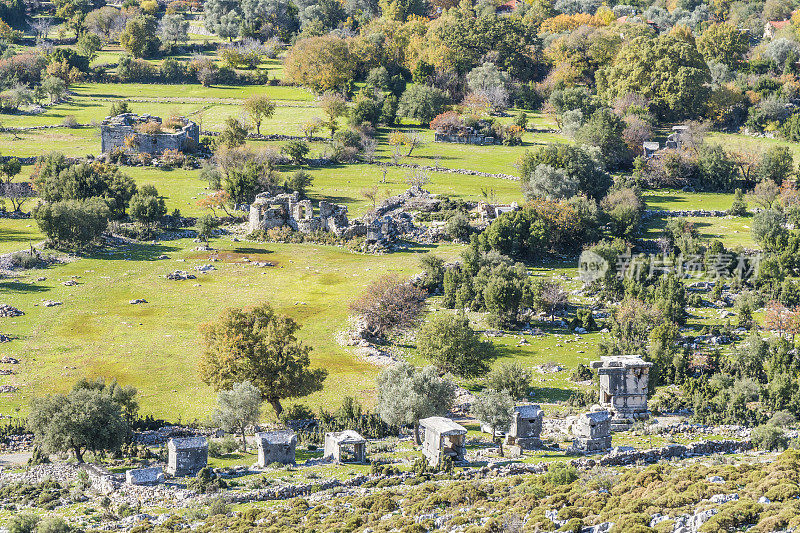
column 73, row 224
column 458, row 227
column 769, row 437
column 70, row 122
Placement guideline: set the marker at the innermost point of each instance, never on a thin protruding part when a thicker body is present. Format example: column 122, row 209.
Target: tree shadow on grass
column 551, row 394
column 134, row 252
column 251, row 250
column 17, row 286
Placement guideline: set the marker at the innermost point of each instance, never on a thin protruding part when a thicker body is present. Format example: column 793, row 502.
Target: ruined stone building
column 276, row 447
column 443, row 438
column 592, row 432
column 144, row 134
column 383, row 224
column 287, row 209
column 624, row 382
column 186, row 456
column 675, row 141
column 345, row 447
column 526, row 427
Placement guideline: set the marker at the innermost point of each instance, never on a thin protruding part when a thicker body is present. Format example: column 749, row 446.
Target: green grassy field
column 156, row 346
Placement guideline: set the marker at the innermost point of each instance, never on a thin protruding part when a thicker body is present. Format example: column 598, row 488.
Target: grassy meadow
column 156, row 346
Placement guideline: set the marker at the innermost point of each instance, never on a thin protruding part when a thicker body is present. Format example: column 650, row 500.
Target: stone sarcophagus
column 526, row 427
column 346, row 447
column 186, row 456
column 276, row 447
column 592, row 432
column 624, row 382
column 443, row 438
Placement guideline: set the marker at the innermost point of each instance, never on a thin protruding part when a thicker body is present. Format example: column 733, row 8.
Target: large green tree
column 453, row 346
column 83, row 420
column 667, row 70
column 260, row 346
column 724, row 43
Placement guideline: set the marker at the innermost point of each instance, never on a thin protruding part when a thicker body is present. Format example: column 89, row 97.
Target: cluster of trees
column 78, row 200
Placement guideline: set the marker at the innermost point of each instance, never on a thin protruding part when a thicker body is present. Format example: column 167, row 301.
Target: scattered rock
column 4, row 338
column 716, row 479
column 70, row 283
column 7, row 388
column 8, row 360
column 163, row 256
column 180, row 275
column 138, row 301
column 50, row 303
column 7, row 311
column 205, row 268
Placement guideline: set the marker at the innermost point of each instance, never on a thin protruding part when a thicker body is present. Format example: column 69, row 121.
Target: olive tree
column 82, row 420
column 494, row 409
column 407, row 394
column 237, row 408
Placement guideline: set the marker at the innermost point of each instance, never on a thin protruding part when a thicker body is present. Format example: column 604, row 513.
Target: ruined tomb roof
column 443, row 426
column 529, row 411
column 188, row 443
column 276, row 437
column 347, row 436
column 597, row 416
column 621, row 361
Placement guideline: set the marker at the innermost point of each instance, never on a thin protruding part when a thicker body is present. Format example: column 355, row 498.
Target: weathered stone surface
column 9, row 311
column 526, row 427
column 443, row 438
column 345, row 446
column 592, row 432
column 623, row 388
column 186, row 456
column 144, row 476
column 179, row 275
column 276, row 447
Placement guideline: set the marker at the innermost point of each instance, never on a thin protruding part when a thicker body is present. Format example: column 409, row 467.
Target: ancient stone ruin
column 526, row 427
column 276, row 447
column 489, row 212
column 345, row 447
column 146, row 134
column 623, row 388
column 675, row 141
column 186, row 456
column 466, row 137
column 287, row 209
column 592, row 432
column 144, row 476
column 443, row 438
column 382, row 225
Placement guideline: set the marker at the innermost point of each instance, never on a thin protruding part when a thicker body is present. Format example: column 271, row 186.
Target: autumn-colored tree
column 321, row 63
column 260, row 346
column 216, row 200
column 777, row 317
column 389, row 304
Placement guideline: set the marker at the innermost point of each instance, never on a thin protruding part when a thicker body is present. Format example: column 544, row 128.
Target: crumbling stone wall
column 120, row 132
column 287, row 209
column 472, row 138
